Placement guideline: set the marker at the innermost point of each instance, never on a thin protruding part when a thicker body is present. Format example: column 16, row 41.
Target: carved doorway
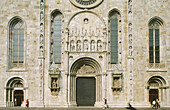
column 86, row 91
column 153, row 94
column 18, row 97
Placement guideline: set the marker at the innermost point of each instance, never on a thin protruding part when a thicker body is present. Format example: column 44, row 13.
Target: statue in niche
column 41, row 27
column 85, row 45
column 116, row 82
column 99, row 45
column 130, row 38
column 130, row 27
column 92, row 45
column 42, row 5
column 130, row 6
column 78, row 45
column 86, row 70
column 54, row 83
column 41, row 39
column 72, row 46
column 41, row 16
column 130, row 52
column 41, row 50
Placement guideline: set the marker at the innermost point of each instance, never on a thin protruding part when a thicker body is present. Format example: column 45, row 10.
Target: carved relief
column 85, row 69
column 117, row 84
column 85, row 45
column 72, row 46
column 99, row 45
column 88, row 32
column 92, row 45
column 54, row 73
column 78, row 45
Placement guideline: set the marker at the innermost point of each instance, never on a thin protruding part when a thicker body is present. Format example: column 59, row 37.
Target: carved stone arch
column 85, row 61
column 115, row 10
column 14, row 87
column 86, row 12
column 156, row 88
column 12, row 20
column 157, row 79
column 85, row 67
column 57, row 11
column 157, row 19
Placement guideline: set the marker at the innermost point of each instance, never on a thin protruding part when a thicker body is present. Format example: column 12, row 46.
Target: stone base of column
column 99, row 104
column 73, row 104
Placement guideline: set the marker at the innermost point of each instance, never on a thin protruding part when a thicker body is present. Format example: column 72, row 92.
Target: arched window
column 114, row 25
column 56, row 27
column 154, row 41
column 16, row 43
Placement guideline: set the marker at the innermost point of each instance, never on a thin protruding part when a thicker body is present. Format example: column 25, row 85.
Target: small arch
column 14, row 19
column 157, row 19
column 114, row 11
column 57, row 11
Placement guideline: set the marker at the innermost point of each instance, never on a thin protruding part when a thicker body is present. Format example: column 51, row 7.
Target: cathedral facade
column 61, row 53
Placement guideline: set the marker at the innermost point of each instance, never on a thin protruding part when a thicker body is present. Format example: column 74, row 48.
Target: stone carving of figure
column 72, row 46
column 41, row 51
column 54, row 84
column 85, row 45
column 42, row 5
column 41, row 27
column 130, row 6
column 86, row 70
column 130, row 38
column 99, row 45
column 78, row 45
column 130, row 27
column 117, row 82
column 92, row 45
column 41, row 39
column 41, row 16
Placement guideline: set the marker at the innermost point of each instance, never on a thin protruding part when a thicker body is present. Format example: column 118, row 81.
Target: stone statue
column 54, row 84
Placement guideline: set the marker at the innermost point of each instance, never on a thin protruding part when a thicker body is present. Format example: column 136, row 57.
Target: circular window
column 86, row 3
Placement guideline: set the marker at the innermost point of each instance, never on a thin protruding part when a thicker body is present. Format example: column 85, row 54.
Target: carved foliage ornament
column 86, row 3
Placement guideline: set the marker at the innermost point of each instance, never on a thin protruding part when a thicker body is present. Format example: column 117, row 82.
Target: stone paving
column 78, row 108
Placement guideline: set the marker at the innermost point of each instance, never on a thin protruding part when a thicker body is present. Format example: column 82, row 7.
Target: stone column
column 72, row 101
column 98, row 90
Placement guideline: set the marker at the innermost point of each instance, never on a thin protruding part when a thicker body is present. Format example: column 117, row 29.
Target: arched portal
column 85, row 75
column 15, row 92
column 157, row 88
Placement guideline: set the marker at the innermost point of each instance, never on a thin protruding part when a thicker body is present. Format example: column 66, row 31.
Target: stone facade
column 85, row 52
